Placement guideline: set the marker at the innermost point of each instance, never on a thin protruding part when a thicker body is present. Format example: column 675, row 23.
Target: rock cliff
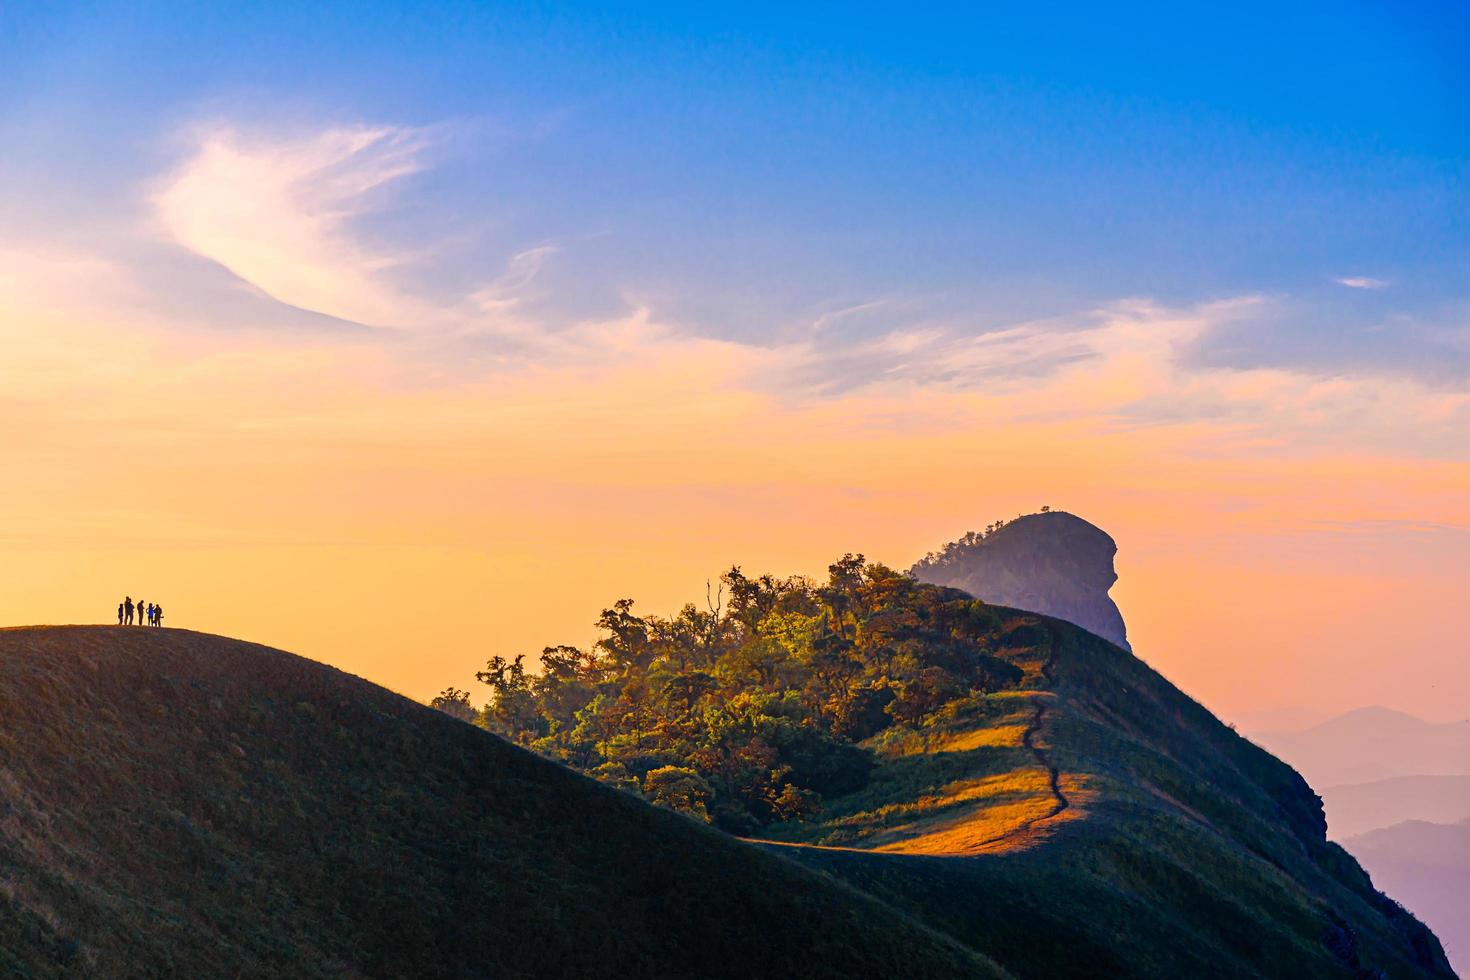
column 1052, row 563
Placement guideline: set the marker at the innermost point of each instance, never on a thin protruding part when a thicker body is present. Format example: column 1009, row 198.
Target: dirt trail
column 1028, row 740
column 1060, row 802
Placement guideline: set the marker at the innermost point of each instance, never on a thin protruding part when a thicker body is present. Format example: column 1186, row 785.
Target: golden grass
column 990, row 806
column 1000, row 824
column 1000, row 736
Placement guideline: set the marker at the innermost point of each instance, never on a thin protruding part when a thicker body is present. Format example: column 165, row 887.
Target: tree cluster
column 752, row 709
column 962, row 545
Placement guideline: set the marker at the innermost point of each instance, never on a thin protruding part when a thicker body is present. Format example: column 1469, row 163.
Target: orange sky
column 470, row 479
column 324, row 497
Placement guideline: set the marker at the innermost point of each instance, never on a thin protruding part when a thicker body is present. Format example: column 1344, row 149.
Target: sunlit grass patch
column 973, row 831
column 998, row 736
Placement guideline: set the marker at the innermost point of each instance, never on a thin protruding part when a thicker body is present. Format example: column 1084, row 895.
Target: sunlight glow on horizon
column 379, row 386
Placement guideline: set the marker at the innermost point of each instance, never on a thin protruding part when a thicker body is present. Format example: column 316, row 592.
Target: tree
column 512, row 710
column 679, row 788
column 626, row 642
column 754, row 707
column 795, row 803
column 455, row 703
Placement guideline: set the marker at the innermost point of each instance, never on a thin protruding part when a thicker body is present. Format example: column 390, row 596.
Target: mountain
column 1052, row 563
column 1280, row 719
column 1360, row 807
column 1427, row 867
column 1098, row 822
column 174, row 804
column 1373, row 743
column 1392, row 780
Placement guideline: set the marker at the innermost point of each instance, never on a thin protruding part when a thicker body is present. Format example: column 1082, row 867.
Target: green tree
column 513, row 710
column 679, row 788
column 455, row 703
column 754, row 709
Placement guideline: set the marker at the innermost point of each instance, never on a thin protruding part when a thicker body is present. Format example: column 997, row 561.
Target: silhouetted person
column 157, row 615
column 141, row 613
column 128, row 609
column 119, row 614
column 150, row 614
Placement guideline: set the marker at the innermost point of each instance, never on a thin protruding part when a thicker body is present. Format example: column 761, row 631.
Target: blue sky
column 753, row 169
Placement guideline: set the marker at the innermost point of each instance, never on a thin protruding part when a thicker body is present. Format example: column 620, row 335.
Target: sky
column 405, row 335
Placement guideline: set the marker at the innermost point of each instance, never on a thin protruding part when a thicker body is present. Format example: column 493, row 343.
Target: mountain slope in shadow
column 175, row 804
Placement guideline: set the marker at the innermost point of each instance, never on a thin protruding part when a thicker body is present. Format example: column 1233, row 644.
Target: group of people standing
column 149, row 615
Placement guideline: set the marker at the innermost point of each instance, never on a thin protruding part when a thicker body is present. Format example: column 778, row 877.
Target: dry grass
column 999, row 736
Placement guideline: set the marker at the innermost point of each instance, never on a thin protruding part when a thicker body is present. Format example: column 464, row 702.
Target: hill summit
column 1035, row 802
column 1017, row 782
column 174, row 804
column 1052, row 563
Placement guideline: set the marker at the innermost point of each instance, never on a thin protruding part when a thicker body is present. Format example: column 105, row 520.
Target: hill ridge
column 177, row 803
column 235, row 772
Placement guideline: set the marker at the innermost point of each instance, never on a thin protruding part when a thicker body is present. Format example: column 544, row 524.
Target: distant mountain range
column 1357, row 808
column 1397, row 796
column 1371, row 744
column 1426, row 866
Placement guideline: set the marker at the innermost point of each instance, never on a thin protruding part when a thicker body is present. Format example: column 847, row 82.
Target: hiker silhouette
column 148, row 613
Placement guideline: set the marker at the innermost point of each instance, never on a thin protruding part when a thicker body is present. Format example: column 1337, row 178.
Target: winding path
column 1028, row 740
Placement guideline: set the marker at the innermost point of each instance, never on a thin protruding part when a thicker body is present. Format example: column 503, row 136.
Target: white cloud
column 509, row 289
column 283, row 216
column 279, row 214
column 1362, row 282
column 1126, row 366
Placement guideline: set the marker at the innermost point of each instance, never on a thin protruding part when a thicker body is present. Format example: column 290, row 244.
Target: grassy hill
column 1098, row 822
column 179, row 804
column 174, row 804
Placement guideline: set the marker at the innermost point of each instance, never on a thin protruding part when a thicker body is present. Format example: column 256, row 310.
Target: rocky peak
column 1052, row 563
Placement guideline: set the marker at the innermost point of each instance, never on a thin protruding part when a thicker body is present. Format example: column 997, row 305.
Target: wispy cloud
column 1123, row 367
column 285, row 215
column 1362, row 282
column 509, row 290
column 279, row 214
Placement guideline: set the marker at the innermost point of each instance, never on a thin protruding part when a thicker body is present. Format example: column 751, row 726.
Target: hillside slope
column 175, row 804
column 1098, row 822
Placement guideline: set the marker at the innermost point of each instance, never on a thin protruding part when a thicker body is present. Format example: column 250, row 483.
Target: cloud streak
column 1362, row 282
column 280, row 215
column 287, row 216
